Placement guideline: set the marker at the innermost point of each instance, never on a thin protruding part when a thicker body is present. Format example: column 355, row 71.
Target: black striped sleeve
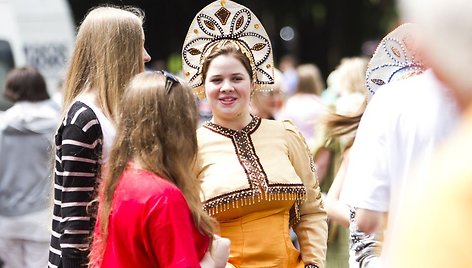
column 78, row 149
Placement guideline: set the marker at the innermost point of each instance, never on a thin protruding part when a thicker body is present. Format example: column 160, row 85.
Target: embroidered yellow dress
column 258, row 182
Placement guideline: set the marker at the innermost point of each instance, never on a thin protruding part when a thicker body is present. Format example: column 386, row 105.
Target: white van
column 40, row 33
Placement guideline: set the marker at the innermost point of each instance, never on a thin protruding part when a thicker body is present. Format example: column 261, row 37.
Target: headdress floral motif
column 395, row 58
column 223, row 22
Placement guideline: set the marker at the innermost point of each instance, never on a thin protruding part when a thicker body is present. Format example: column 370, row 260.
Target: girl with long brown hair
column 150, row 214
column 109, row 50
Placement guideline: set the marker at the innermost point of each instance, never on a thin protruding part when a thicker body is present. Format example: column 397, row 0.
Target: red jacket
column 150, row 225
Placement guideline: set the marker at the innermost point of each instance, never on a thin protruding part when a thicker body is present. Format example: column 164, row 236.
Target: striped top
column 78, row 150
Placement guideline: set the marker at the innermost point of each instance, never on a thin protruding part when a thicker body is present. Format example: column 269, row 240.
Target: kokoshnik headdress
column 395, row 58
column 223, row 22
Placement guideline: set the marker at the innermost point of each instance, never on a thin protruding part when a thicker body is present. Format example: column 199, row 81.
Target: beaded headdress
column 223, row 22
column 395, row 58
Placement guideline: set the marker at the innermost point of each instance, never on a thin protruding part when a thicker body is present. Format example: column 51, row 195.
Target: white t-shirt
column 108, row 129
column 400, row 128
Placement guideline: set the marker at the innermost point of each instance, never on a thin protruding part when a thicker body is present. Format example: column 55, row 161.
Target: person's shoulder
column 278, row 127
column 288, row 125
column 204, row 134
column 268, row 125
column 169, row 192
column 166, row 185
column 81, row 115
column 146, row 183
column 283, row 127
column 201, row 129
column 81, row 107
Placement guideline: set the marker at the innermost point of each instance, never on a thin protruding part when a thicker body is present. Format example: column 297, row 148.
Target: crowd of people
column 235, row 163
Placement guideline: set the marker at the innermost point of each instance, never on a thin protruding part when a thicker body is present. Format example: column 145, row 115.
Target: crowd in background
column 376, row 154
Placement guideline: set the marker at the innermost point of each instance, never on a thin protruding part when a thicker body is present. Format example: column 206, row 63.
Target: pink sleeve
column 171, row 230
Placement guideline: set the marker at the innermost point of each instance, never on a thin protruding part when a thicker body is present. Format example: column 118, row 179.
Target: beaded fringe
column 246, row 199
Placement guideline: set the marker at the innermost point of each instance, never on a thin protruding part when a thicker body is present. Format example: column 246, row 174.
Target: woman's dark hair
column 25, row 84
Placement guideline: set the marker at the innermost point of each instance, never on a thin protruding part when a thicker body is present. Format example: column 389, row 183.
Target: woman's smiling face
column 228, row 88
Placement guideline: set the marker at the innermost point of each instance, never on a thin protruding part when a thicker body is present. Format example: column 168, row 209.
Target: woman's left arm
column 312, row 228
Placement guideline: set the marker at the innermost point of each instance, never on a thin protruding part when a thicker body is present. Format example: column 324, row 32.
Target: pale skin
column 146, row 56
column 368, row 221
column 228, row 88
column 336, row 210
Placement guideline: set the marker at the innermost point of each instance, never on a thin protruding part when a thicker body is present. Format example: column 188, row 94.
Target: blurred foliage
column 326, row 30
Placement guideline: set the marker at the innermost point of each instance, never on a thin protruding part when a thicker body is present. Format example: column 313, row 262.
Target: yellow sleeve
column 312, row 228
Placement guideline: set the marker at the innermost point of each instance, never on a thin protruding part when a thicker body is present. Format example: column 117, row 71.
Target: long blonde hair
column 108, row 52
column 157, row 129
column 351, row 75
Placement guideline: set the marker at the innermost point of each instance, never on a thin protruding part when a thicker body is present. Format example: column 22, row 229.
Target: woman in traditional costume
column 257, row 176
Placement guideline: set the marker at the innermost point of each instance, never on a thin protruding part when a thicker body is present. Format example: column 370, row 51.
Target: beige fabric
column 284, row 171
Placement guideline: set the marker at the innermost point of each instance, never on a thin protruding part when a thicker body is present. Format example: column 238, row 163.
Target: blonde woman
column 109, row 50
column 351, row 83
column 150, row 210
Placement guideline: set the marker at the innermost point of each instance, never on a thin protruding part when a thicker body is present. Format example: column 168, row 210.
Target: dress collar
column 248, row 129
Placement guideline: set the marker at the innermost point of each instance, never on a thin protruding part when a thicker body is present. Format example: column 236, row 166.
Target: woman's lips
column 227, row 100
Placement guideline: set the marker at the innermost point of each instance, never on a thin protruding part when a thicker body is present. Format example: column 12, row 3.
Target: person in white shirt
column 433, row 227
column 403, row 123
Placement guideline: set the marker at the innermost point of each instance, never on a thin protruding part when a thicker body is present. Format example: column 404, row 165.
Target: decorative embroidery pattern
column 210, row 29
column 259, row 185
column 395, row 58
